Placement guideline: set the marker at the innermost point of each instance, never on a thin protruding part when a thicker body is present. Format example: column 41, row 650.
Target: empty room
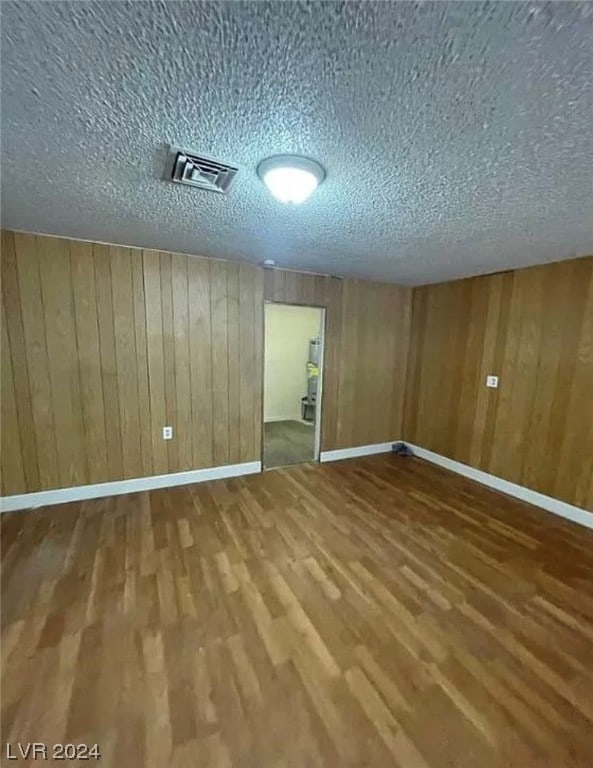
column 297, row 384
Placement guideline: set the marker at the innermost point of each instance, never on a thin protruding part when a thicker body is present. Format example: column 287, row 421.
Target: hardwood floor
column 372, row 612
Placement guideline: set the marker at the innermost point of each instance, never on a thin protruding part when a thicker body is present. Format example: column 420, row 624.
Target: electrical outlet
column 167, row 433
column 492, row 381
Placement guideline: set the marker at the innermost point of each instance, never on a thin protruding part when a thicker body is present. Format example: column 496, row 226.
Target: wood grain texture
column 23, row 436
column 31, row 347
column 373, row 612
column 103, row 346
column 367, row 330
column 373, row 359
column 534, row 329
column 89, row 356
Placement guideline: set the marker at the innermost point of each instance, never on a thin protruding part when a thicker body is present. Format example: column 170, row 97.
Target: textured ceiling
column 457, row 138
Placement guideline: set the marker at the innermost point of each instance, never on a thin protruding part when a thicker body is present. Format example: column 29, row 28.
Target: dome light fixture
column 291, row 178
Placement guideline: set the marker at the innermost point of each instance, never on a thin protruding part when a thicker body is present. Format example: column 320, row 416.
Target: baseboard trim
column 117, row 487
column 555, row 506
column 359, row 450
column 283, row 418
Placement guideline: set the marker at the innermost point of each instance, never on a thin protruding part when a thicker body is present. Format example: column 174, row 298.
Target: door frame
column 319, row 404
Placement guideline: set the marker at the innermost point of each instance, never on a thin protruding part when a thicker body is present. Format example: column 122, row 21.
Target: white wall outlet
column 167, row 433
column 492, row 381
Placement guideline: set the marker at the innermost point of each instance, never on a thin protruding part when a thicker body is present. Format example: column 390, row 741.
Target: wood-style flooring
column 375, row 612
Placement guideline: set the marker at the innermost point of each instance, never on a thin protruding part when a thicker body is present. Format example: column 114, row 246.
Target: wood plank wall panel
column 22, row 440
column 220, row 362
column 103, row 346
column 373, row 362
column 89, row 356
column 200, row 336
column 534, row 329
column 125, row 360
column 366, row 350
column 105, row 369
column 142, row 366
column 250, row 362
column 12, row 459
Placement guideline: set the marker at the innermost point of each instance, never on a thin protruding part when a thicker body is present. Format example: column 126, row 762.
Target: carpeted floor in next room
column 288, row 442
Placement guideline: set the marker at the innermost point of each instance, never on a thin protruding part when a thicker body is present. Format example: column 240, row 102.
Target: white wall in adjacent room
column 287, row 335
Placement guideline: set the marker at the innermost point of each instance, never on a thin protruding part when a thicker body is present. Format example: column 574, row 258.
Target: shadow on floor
column 288, row 442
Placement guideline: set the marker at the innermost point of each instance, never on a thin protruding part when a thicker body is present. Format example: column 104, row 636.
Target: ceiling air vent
column 200, row 171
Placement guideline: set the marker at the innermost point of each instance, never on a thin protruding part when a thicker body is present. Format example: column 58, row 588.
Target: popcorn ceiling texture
column 457, row 137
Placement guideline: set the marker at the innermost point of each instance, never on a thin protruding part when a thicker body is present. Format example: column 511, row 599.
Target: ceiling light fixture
column 291, row 178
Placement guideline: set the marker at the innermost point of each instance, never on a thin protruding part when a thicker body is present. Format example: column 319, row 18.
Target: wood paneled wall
column 534, row 329
column 103, row 346
column 366, row 350
column 373, row 362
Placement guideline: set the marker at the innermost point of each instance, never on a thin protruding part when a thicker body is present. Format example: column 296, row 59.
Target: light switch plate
column 167, row 433
column 492, row 381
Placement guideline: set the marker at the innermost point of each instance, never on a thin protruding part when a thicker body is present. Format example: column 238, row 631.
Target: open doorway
column 293, row 378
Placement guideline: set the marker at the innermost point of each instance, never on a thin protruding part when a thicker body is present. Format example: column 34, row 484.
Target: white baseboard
column 359, row 450
column 117, row 487
column 557, row 507
column 291, row 417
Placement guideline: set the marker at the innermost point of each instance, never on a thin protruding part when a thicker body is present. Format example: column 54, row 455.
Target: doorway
column 293, row 379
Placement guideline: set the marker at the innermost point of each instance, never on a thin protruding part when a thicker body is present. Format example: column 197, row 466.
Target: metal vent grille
column 199, row 171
